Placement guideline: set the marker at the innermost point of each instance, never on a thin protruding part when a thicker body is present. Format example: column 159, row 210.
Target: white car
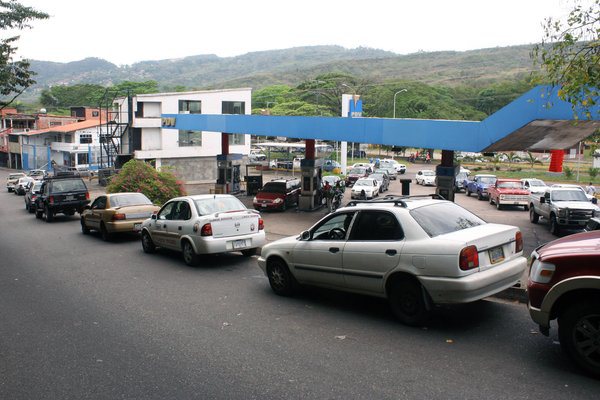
column 204, row 224
column 12, row 179
column 365, row 188
column 534, row 185
column 425, row 177
column 400, row 168
column 416, row 252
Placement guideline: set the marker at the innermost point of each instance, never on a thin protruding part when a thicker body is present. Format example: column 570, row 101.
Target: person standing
column 591, row 189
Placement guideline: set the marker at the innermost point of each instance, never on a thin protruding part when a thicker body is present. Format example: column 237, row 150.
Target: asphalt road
column 85, row 319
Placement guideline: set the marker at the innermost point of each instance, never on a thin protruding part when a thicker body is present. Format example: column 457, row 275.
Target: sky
column 128, row 31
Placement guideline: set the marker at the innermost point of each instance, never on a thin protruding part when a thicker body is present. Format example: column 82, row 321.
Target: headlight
column 597, row 213
column 501, row 197
column 255, row 200
column 541, row 272
column 562, row 212
column 278, row 200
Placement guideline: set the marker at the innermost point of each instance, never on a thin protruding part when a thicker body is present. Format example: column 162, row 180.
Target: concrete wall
column 192, row 169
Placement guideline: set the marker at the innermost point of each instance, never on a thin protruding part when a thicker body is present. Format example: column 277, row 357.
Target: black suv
column 62, row 194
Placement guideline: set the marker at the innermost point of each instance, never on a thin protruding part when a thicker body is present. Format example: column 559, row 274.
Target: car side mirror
column 542, row 200
column 594, row 200
column 305, row 235
column 87, row 207
column 153, row 216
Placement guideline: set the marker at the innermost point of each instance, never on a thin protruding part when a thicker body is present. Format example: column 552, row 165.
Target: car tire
column 525, row 208
column 147, row 244
column 280, row 278
column 498, row 205
column 491, row 200
column 104, row 233
column 407, row 301
column 39, row 213
column 283, row 206
column 554, row 227
column 533, row 216
column 479, row 196
column 189, row 255
column 578, row 327
column 48, row 214
column 249, row 252
column 468, row 192
column 84, row 229
column 31, row 208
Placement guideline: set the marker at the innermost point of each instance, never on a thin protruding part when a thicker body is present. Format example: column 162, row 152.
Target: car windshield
column 274, row 187
column 68, row 185
column 358, row 171
column 363, row 183
column 510, row 185
column 129, row 199
column 378, row 177
column 487, row 180
column 569, row 195
column 36, row 186
column 537, row 183
column 441, row 218
column 15, row 176
column 213, row 205
column 428, row 173
column 461, row 176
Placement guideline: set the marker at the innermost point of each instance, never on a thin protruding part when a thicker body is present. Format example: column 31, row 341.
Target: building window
column 68, row 138
column 139, row 113
column 13, row 138
column 237, row 139
column 59, row 138
column 190, row 138
column 190, row 107
column 85, row 138
column 55, row 123
column 233, row 107
column 95, row 113
column 82, row 158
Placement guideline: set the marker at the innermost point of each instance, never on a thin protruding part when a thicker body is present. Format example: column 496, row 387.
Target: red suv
column 278, row 194
column 564, row 284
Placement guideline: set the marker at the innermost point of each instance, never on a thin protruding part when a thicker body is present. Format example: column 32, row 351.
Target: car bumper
column 267, row 206
column 210, row 245
column 513, row 202
column 125, row 226
column 477, row 285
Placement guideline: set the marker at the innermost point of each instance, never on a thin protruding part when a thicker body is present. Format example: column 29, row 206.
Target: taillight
column 261, row 224
column 51, row 199
column 518, row 242
column 206, row 230
column 119, row 217
column 87, row 195
column 469, row 258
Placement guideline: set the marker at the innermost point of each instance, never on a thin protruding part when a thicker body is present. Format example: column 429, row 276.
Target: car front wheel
column 147, row 243
column 280, row 278
column 84, row 229
column 554, row 227
column 579, row 334
column 533, row 216
column 407, row 302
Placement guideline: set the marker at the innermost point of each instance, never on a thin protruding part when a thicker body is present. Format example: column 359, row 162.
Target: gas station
column 537, row 121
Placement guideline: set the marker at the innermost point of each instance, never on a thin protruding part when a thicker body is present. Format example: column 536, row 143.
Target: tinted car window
column 68, row 185
column 218, row 204
column 376, row 225
column 274, row 187
column 99, row 203
column 441, row 218
column 132, row 199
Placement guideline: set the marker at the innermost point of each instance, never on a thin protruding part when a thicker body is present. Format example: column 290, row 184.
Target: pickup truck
column 508, row 192
column 565, row 207
column 64, row 194
column 479, row 185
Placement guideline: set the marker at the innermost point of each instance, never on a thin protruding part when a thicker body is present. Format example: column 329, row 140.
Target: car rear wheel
column 579, row 334
column 468, row 193
column 406, row 299
column 281, row 280
column 39, row 213
column 533, row 216
column 147, row 243
column 189, row 255
column 48, row 213
column 84, row 229
column 104, row 233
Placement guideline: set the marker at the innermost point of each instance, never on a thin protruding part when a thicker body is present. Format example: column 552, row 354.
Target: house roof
column 89, row 123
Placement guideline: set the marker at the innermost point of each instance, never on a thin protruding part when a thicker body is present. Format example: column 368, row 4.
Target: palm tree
column 532, row 160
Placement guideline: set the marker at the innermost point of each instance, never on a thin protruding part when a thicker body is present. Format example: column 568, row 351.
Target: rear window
column 68, row 185
column 274, row 187
column 130, row 199
column 441, row 218
column 218, row 204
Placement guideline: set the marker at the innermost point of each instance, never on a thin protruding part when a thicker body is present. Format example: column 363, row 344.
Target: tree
column 15, row 76
column 570, row 55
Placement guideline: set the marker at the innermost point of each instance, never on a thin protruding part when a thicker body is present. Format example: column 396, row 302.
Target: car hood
column 581, row 205
column 286, row 243
column 579, row 243
column 269, row 196
column 361, row 188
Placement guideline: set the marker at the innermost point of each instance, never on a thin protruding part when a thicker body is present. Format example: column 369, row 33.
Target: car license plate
column 69, row 197
column 137, row 227
column 263, row 205
column 496, row 255
column 238, row 244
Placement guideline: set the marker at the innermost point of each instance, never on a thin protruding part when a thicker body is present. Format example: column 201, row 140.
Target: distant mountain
column 292, row 66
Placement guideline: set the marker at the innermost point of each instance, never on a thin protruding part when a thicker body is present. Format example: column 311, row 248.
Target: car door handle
column 390, row 252
column 165, row 225
column 179, row 228
column 334, row 249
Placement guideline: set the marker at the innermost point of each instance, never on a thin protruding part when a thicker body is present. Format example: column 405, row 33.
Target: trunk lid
column 234, row 223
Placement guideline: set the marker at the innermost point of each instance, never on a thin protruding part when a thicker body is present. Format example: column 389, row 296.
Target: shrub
column 593, row 172
column 568, row 172
column 137, row 176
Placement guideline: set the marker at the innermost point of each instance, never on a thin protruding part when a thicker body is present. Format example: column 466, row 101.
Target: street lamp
column 399, row 91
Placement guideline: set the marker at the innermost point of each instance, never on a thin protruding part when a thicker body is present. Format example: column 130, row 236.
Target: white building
column 72, row 145
column 191, row 155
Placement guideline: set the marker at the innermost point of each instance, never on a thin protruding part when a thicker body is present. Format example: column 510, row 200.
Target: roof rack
column 396, row 200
